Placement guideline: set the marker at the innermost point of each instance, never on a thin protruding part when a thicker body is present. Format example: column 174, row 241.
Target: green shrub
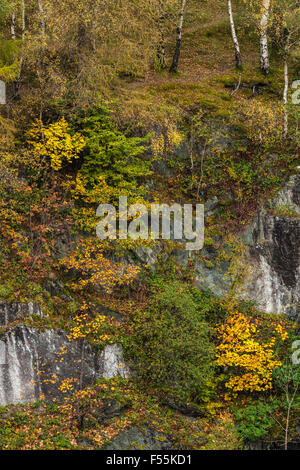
column 255, row 421
column 111, row 154
column 170, row 346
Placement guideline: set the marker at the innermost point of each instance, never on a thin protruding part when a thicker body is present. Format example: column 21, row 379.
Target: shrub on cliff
column 170, row 345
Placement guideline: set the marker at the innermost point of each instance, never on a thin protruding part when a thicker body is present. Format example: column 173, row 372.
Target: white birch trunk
column 42, row 16
column 13, row 25
column 23, row 15
column 176, row 56
column 285, row 97
column 238, row 59
column 264, row 51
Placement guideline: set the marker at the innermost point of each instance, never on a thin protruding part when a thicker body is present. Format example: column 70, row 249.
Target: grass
column 206, row 65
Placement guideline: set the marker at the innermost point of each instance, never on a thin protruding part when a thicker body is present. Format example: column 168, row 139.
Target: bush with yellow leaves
column 55, row 142
column 261, row 120
column 166, row 142
column 250, row 357
column 95, row 270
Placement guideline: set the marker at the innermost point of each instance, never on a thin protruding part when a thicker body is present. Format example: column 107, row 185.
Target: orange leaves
column 250, row 358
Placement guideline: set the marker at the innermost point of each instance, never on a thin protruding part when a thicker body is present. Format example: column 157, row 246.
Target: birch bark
column 264, row 51
column 42, row 16
column 174, row 66
column 238, row 60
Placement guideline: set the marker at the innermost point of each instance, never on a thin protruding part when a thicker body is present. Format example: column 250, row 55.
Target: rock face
column 111, row 363
column 140, row 439
column 35, row 364
column 274, row 249
column 10, row 311
column 273, row 246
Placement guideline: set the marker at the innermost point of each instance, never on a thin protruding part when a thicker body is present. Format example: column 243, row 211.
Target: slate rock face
column 35, row 364
column 10, row 311
column 140, row 439
column 274, row 248
column 111, row 363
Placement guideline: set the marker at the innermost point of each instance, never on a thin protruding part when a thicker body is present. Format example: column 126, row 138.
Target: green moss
column 209, row 264
column 208, row 241
column 5, row 292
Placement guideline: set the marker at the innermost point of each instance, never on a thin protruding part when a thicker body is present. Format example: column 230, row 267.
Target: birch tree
column 285, row 91
column 263, row 30
column 286, row 36
column 13, row 25
column 42, row 16
column 174, row 65
column 238, row 59
column 161, row 48
column 23, row 20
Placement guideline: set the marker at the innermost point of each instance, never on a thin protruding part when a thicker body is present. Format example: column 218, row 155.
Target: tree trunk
column 161, row 53
column 264, row 52
column 287, row 424
column 22, row 36
column 285, row 97
column 80, row 415
column 23, row 20
column 42, row 16
column 238, row 60
column 174, row 66
column 161, row 48
column 13, row 25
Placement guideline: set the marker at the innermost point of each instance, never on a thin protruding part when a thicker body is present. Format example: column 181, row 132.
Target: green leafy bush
column 255, row 421
column 111, row 154
column 170, row 345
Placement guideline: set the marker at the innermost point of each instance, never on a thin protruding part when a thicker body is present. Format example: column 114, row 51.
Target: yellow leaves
column 282, row 332
column 261, row 120
column 9, row 73
column 55, row 143
column 100, row 193
column 7, row 132
column 164, row 144
column 92, row 329
column 242, row 349
column 67, row 385
column 96, row 270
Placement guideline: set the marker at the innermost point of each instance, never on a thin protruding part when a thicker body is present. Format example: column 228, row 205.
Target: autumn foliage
column 250, row 357
column 95, row 269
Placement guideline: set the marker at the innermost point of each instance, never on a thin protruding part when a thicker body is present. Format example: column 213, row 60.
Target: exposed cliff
column 34, row 364
column 274, row 248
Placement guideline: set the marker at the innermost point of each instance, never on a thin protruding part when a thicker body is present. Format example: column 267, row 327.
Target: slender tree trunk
column 287, row 424
column 264, row 51
column 13, row 25
column 23, row 15
column 238, row 60
column 42, row 16
column 285, row 97
column 161, row 48
column 80, row 415
column 174, row 66
column 161, row 53
column 23, row 20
